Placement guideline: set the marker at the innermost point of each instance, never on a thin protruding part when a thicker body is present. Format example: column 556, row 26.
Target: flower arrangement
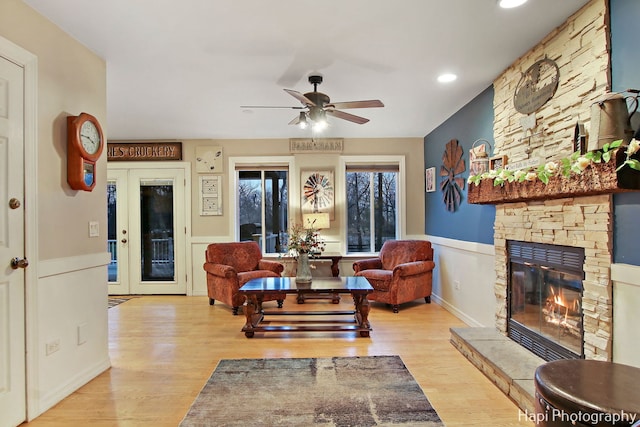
column 574, row 164
column 304, row 241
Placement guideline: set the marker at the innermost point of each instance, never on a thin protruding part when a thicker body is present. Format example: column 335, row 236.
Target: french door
column 146, row 230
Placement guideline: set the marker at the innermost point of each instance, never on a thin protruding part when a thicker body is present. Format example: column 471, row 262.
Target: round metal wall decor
column 537, row 86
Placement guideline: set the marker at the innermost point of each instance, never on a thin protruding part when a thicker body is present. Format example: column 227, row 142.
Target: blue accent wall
column 475, row 120
column 473, row 223
column 625, row 74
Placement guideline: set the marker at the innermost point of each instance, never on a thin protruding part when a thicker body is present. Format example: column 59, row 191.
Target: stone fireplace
column 575, row 212
column 575, row 216
column 580, row 222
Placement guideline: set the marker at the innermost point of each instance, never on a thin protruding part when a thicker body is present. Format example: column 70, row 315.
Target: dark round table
column 587, row 393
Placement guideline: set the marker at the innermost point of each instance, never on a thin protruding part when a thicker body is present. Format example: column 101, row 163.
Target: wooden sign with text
column 313, row 145
column 143, row 151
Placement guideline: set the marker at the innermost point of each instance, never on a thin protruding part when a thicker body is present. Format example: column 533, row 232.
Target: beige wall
column 71, row 80
column 411, row 148
column 66, row 283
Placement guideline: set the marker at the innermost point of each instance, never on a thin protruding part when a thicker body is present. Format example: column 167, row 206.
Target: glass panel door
column 156, row 230
column 147, row 232
column 117, row 232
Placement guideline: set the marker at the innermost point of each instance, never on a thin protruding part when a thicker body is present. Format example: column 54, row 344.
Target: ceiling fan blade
column 347, row 116
column 356, row 104
column 300, row 97
column 270, row 106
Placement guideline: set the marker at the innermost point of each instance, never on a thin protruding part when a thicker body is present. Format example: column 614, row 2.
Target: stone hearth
column 508, row 365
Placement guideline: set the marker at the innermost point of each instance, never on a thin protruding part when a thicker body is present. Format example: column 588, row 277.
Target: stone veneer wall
column 581, row 48
column 583, row 222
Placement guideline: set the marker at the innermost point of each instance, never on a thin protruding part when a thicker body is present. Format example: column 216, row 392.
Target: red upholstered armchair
column 231, row 265
column 402, row 272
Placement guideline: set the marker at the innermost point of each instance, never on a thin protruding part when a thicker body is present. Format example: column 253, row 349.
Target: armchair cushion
column 402, row 272
column 231, row 265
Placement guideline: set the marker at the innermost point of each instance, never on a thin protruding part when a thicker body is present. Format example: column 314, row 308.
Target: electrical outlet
column 456, row 284
column 52, row 346
column 94, row 229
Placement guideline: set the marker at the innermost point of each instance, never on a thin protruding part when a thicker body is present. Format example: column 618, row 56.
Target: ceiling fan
column 318, row 105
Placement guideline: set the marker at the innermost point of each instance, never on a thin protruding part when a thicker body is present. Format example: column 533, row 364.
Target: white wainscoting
column 463, row 280
column 71, row 305
column 626, row 314
column 467, row 263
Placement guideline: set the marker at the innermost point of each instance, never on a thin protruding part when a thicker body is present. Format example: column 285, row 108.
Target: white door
column 12, row 249
column 147, row 231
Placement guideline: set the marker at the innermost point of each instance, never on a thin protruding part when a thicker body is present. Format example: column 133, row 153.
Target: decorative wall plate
column 537, row 86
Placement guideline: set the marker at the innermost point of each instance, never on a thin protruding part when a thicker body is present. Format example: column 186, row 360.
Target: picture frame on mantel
column 497, row 162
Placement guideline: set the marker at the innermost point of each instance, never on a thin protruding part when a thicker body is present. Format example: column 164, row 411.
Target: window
column 262, row 197
column 372, row 206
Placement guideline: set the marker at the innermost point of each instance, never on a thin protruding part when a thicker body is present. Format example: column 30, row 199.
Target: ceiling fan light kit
column 318, row 105
column 302, row 120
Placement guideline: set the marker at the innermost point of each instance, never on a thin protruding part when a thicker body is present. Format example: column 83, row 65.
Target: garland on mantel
column 578, row 175
column 575, row 164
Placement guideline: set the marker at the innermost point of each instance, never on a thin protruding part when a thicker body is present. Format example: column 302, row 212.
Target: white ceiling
column 181, row 69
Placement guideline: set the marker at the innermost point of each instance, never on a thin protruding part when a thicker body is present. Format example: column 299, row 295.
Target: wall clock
column 85, row 142
column 317, row 192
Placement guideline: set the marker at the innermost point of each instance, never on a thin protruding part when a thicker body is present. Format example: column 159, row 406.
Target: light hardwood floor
column 164, row 348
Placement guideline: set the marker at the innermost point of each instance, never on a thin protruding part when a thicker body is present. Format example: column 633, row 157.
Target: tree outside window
column 371, row 209
column 263, row 207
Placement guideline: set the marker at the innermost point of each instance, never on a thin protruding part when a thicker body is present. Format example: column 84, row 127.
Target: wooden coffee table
column 256, row 289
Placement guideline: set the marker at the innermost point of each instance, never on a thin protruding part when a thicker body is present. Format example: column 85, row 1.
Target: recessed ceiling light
column 447, row 78
column 508, row 4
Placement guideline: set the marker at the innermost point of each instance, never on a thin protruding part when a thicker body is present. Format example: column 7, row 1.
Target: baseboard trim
column 453, row 310
column 51, row 399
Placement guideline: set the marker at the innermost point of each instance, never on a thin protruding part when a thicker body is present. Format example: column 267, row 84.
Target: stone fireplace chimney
column 580, row 48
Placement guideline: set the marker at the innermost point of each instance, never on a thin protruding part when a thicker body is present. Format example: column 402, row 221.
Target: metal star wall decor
column 452, row 166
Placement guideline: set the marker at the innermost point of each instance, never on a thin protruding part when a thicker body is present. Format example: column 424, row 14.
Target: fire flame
column 556, row 302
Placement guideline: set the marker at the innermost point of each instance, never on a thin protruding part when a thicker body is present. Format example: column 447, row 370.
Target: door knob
column 124, row 240
column 14, row 203
column 19, row 263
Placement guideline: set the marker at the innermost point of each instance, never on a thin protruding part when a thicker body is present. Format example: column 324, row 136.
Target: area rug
column 337, row 391
column 113, row 301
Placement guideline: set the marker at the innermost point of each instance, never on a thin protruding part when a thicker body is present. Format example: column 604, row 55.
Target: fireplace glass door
column 548, row 302
column 545, row 300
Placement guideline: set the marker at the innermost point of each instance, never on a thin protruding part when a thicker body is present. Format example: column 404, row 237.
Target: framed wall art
column 210, row 195
column 317, row 188
column 430, row 179
column 209, row 160
column 497, row 162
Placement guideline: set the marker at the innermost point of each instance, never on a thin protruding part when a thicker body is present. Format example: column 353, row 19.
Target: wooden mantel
column 597, row 178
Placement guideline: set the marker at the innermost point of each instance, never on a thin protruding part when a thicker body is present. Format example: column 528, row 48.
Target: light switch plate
column 94, row 229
